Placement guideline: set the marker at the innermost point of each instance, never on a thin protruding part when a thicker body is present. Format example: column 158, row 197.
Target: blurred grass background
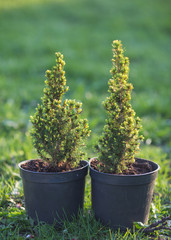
column 32, row 31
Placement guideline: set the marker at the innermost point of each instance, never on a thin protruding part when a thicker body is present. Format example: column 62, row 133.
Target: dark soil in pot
column 135, row 168
column 53, row 196
column 37, row 165
column 120, row 200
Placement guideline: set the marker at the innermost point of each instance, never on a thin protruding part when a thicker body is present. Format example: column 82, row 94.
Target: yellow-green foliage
column 120, row 139
column 58, row 132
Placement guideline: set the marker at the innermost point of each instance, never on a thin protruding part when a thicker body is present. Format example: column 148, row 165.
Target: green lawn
column 31, row 32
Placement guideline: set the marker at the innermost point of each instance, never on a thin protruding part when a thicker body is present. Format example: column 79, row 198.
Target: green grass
column 31, row 32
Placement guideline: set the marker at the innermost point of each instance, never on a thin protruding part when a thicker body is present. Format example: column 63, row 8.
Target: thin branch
column 159, row 225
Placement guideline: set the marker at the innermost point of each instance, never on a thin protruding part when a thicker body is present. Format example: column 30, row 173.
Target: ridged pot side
column 53, row 196
column 120, row 200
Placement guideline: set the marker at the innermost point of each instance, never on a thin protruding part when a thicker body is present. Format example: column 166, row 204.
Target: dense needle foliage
column 58, row 132
column 120, row 139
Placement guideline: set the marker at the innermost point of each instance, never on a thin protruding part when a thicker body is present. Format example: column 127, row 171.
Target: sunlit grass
column 12, row 4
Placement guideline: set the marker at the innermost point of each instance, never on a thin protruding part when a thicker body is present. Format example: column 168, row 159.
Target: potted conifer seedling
column 54, row 184
column 122, row 185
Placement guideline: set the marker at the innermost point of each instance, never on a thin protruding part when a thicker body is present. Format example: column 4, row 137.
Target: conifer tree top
column 120, row 138
column 58, row 132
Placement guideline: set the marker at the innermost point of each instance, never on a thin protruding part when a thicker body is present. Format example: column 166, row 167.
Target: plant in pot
column 122, row 185
column 54, row 184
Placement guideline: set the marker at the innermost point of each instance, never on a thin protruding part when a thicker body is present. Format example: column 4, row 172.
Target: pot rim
column 132, row 176
column 51, row 173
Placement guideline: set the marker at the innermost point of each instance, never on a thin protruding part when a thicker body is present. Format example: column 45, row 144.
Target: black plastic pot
column 53, row 196
column 120, row 200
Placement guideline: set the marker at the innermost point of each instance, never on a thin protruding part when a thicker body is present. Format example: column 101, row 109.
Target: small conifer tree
column 120, row 139
column 58, row 132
